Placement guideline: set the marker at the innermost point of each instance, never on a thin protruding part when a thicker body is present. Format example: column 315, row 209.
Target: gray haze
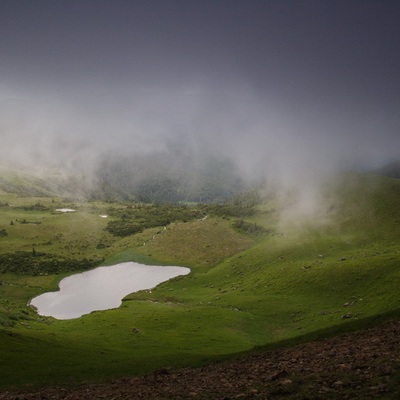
column 290, row 90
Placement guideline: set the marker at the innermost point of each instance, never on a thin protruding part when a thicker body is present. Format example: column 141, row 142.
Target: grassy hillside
column 304, row 276
column 39, row 182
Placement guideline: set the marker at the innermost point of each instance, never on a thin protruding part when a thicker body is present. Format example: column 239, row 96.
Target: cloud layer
column 288, row 90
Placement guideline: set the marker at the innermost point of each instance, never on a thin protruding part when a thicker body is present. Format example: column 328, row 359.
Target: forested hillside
column 163, row 177
column 168, row 176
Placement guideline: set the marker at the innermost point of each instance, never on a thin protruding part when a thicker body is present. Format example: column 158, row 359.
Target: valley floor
column 358, row 365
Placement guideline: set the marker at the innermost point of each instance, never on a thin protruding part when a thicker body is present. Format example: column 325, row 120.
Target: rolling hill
column 302, row 277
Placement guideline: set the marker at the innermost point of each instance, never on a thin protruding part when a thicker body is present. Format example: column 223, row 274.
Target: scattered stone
column 348, row 315
column 325, row 389
column 279, row 375
column 358, row 366
column 161, row 371
column 387, row 370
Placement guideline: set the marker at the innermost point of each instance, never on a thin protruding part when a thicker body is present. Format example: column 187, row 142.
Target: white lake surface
column 102, row 288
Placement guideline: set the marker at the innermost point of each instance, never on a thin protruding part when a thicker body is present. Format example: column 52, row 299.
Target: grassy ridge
column 243, row 292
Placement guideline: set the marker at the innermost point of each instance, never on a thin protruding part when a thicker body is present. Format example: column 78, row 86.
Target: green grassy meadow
column 309, row 277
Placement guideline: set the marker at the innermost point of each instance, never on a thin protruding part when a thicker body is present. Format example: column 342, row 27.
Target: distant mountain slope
column 392, row 170
column 157, row 178
column 43, row 182
column 167, row 177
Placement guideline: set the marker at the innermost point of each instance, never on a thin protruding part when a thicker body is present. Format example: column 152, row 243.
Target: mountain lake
column 102, row 288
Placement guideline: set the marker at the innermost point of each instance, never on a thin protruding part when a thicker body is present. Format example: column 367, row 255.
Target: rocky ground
column 359, row 365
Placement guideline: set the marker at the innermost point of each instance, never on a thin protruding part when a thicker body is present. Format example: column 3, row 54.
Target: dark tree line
column 36, row 263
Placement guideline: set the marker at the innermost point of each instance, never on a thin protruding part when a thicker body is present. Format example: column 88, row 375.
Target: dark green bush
column 250, row 227
column 37, row 263
column 136, row 219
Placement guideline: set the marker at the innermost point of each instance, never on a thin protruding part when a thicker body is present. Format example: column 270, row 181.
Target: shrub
column 29, row 263
column 250, row 227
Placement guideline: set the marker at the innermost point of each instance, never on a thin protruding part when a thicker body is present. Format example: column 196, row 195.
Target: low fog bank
column 172, row 175
column 208, row 142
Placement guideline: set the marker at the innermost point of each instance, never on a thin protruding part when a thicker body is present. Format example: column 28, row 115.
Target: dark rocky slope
column 358, row 365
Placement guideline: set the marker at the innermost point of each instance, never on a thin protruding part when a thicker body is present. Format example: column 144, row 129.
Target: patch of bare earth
column 359, row 365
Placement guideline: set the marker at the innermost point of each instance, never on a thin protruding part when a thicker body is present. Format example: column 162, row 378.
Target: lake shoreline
column 101, row 288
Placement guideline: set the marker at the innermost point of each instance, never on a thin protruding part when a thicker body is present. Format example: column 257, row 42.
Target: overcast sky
column 290, row 88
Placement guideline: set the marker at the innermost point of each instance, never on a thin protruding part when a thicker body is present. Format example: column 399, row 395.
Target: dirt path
column 360, row 365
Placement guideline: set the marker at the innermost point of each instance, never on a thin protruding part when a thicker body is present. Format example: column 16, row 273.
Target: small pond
column 102, row 288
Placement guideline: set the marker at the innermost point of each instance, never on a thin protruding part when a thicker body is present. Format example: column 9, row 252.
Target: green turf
column 313, row 276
